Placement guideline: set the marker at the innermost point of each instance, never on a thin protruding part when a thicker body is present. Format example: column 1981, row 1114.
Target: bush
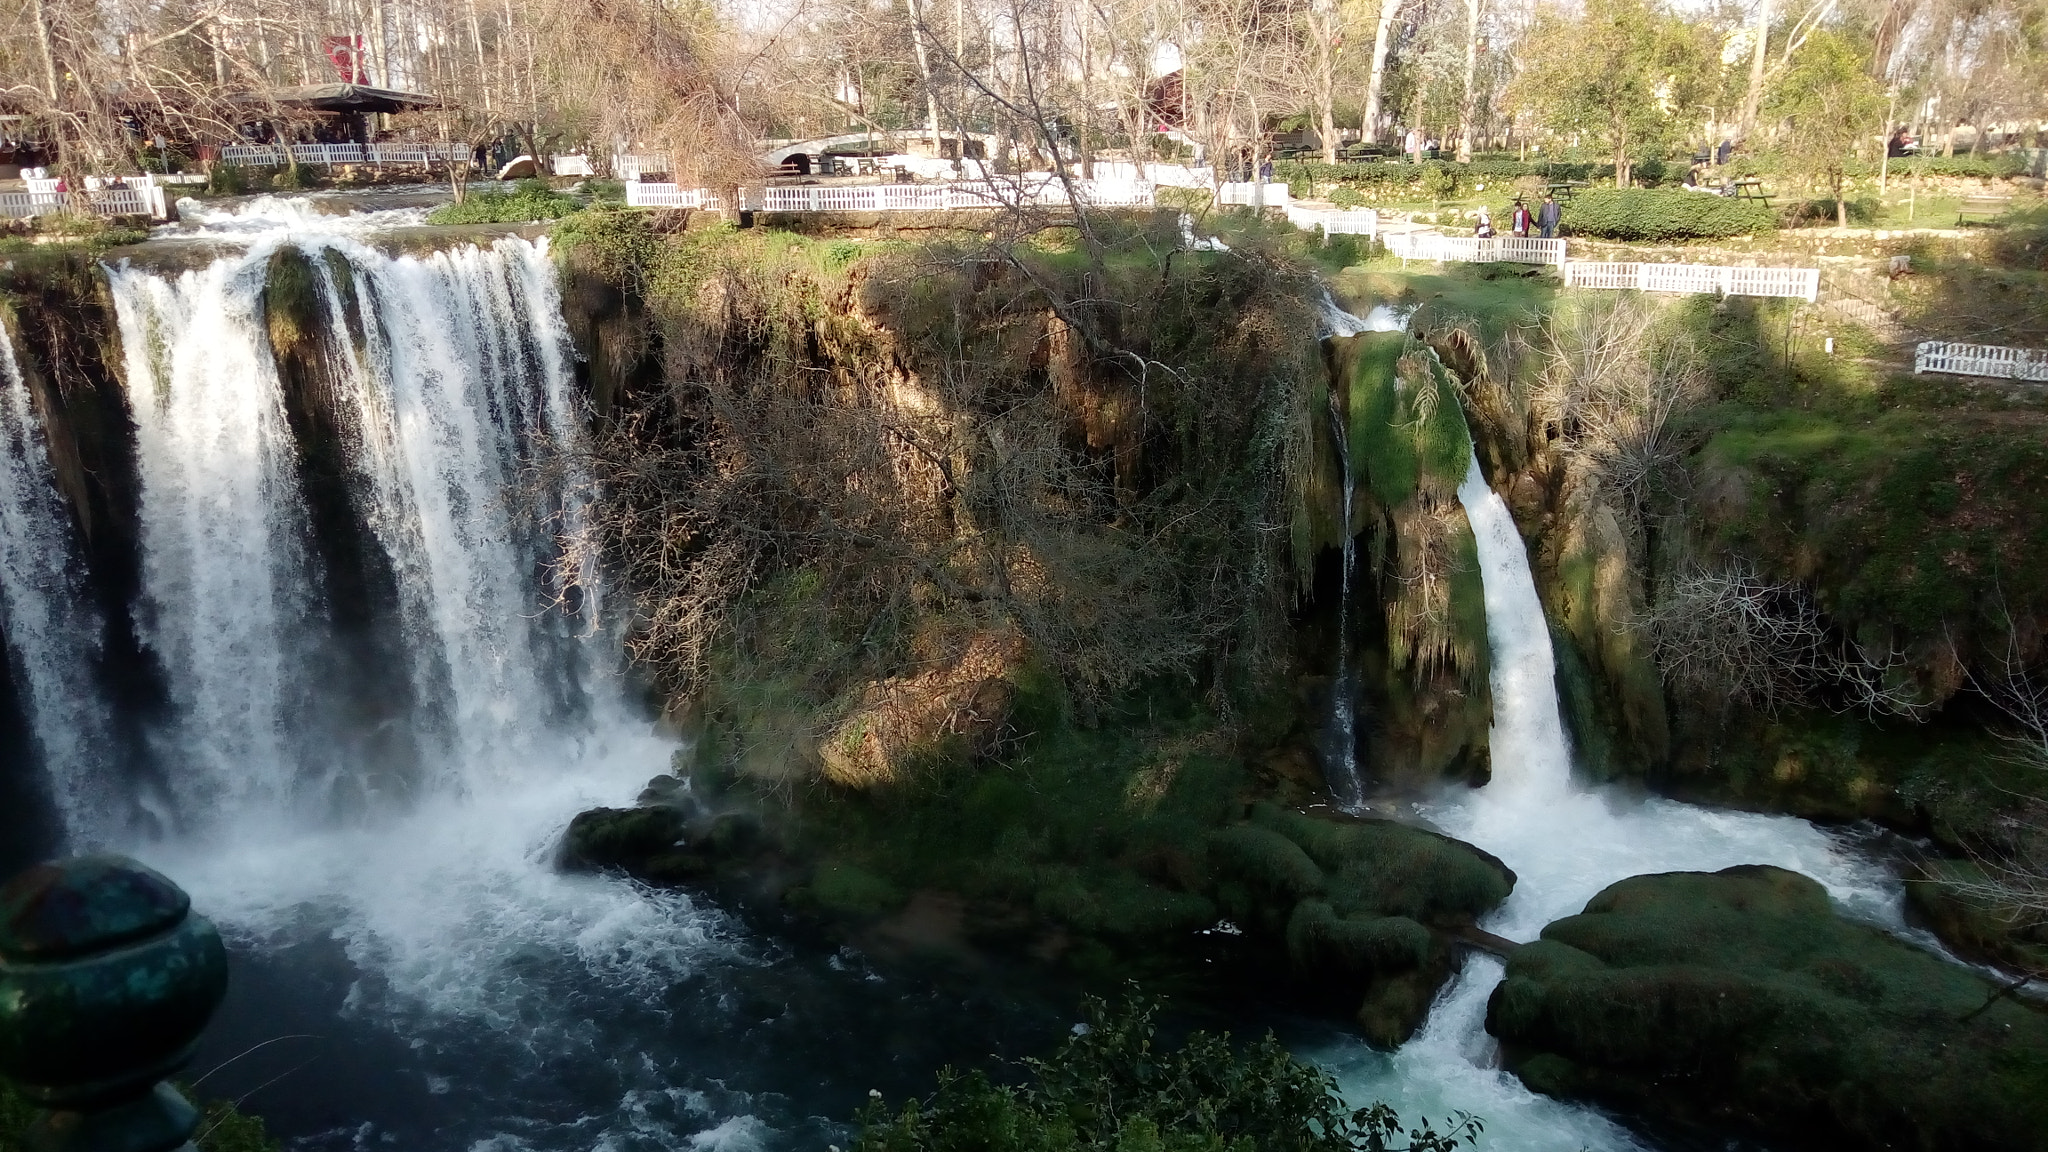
column 1655, row 214
column 221, row 1127
column 531, row 201
column 1439, row 180
column 1114, row 1088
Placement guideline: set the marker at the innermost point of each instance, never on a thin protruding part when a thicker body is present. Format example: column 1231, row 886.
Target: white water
column 51, row 629
column 1340, row 754
column 1565, row 843
column 434, row 877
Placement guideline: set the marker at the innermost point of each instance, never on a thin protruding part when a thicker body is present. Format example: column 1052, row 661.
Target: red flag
column 347, row 54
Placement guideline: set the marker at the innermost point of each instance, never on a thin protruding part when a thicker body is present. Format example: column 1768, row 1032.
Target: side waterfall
column 1565, row 843
column 1341, row 751
column 51, row 629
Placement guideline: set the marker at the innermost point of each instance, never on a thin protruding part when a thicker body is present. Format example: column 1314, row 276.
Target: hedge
column 1657, row 214
column 1311, row 177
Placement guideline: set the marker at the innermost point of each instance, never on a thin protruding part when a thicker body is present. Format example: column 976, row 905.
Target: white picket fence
column 1335, row 221
column 1991, row 360
column 1796, row 283
column 651, row 195
column 1475, row 249
column 273, row 155
column 631, row 166
column 142, row 201
column 1249, row 193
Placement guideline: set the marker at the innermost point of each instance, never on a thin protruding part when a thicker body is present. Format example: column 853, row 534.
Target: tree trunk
column 1326, row 83
column 1389, row 10
column 924, row 72
column 1466, row 109
column 1753, row 97
column 43, row 49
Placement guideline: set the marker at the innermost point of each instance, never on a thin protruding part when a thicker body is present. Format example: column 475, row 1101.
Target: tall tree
column 1382, row 40
column 1468, row 105
column 1828, row 108
column 1623, row 74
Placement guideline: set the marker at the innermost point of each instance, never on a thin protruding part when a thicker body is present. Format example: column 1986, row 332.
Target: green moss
column 1381, row 868
column 1114, row 902
column 1956, row 898
column 532, row 200
column 1742, row 993
column 1269, row 863
column 854, row 891
column 1320, row 941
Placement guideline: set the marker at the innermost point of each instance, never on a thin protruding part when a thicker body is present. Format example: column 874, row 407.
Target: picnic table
column 1751, row 188
column 1563, row 190
column 1984, row 208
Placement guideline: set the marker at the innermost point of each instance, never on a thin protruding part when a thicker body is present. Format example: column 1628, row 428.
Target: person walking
column 1484, row 229
column 1518, row 220
column 1547, row 217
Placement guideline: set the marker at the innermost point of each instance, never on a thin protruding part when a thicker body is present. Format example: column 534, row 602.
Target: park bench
column 1984, row 209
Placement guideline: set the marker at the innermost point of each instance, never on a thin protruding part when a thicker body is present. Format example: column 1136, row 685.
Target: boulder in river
column 1741, row 998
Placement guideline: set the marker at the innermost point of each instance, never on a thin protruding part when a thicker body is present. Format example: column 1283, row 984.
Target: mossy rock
column 1947, row 894
column 652, row 844
column 1114, row 903
column 1384, row 868
column 1740, row 998
column 1271, row 865
column 1321, row 942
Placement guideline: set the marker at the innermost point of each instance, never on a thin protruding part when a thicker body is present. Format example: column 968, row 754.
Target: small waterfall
column 51, row 628
column 1565, row 844
column 1340, row 753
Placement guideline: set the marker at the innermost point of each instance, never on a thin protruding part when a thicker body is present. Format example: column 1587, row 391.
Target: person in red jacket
column 1518, row 221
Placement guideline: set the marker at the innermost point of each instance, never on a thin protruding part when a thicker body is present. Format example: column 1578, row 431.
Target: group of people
column 1520, row 221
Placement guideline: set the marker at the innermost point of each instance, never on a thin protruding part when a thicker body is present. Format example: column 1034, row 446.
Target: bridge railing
column 1335, row 221
column 1992, row 360
column 1793, row 283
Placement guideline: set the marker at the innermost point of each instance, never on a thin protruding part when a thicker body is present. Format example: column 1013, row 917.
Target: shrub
column 1345, row 196
column 1439, row 180
column 531, row 201
column 1656, row 214
column 1114, row 1088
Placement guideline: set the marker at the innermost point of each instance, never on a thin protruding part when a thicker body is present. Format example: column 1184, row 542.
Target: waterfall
column 447, row 372
column 1340, row 755
column 52, row 630
column 1565, row 843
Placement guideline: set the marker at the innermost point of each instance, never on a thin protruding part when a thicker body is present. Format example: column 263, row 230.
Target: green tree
column 1827, row 106
column 1626, row 73
column 1112, row 1088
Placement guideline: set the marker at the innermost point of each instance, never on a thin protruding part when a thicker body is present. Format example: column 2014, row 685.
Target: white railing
column 273, row 155
column 1042, row 192
column 1272, row 195
column 648, row 195
column 1796, row 283
column 631, row 165
column 1982, row 360
column 1335, row 221
column 145, row 201
column 572, row 164
column 1476, row 249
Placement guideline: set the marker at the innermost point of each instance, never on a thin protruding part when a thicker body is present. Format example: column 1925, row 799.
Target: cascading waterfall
column 52, row 631
column 455, row 370
column 1565, row 843
column 1340, row 755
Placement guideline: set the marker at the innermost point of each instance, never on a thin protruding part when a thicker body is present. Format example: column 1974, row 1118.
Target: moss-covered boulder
column 1958, row 901
column 1364, row 909
column 1740, row 998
